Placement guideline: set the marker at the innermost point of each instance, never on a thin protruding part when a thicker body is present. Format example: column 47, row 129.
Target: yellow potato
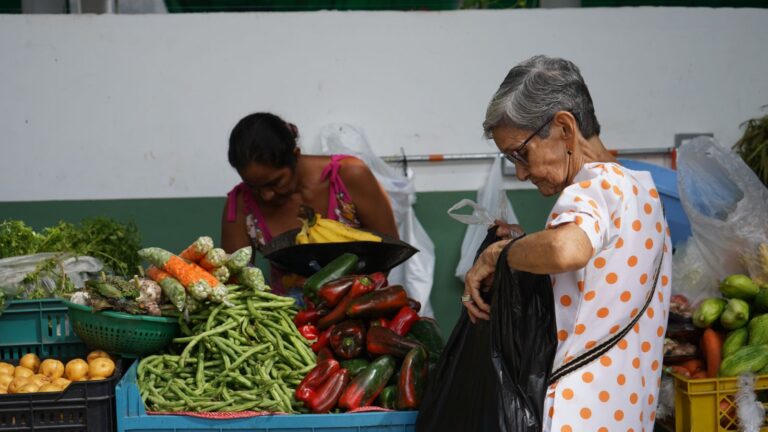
column 49, row 388
column 5, row 380
column 28, row 388
column 52, row 368
column 6, row 368
column 101, row 367
column 30, row 361
column 21, row 371
column 96, row 354
column 76, row 370
column 61, row 383
column 39, row 380
column 3, row 390
column 17, row 383
column 96, row 378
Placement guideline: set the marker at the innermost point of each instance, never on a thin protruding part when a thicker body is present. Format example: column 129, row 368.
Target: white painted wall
column 141, row 106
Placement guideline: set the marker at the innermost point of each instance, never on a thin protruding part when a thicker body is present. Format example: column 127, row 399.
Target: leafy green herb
column 753, row 146
column 114, row 243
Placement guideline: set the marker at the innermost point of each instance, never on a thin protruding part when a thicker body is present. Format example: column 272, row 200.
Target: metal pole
column 658, row 151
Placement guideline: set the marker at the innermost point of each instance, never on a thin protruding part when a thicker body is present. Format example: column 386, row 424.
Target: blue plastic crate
column 131, row 417
column 38, row 326
column 666, row 184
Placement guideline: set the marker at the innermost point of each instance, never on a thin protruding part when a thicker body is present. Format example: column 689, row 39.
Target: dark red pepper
column 306, row 316
column 381, row 340
column 328, row 394
column 325, row 353
column 364, row 388
column 380, row 322
column 413, row 379
column 307, row 389
column 379, row 279
column 348, row 339
column 414, row 304
column 332, row 292
column 309, row 332
column 402, row 322
column 383, row 302
column 361, row 286
column 322, row 340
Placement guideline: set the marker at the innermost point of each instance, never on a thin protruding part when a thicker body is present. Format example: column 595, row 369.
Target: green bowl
column 121, row 333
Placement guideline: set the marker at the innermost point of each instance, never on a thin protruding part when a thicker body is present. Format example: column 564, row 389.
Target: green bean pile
column 245, row 356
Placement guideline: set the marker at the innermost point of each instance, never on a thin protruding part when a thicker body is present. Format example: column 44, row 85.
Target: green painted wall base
column 173, row 223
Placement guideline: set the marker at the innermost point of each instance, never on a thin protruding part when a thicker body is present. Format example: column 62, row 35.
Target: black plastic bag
column 492, row 375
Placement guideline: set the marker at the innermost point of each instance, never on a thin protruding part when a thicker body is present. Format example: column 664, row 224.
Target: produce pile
column 317, row 229
column 51, row 375
column 112, row 242
column 244, row 355
column 372, row 347
column 735, row 332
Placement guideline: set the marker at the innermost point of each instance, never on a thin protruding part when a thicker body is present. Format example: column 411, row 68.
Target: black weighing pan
column 306, row 259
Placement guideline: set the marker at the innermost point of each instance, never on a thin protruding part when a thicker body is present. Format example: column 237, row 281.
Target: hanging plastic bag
column 492, row 375
column 727, row 206
column 14, row 272
column 491, row 197
column 415, row 274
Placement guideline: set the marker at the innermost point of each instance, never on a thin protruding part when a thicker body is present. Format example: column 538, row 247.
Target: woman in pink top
column 278, row 179
column 606, row 247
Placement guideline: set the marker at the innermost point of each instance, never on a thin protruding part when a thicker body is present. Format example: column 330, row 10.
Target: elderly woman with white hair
column 606, row 247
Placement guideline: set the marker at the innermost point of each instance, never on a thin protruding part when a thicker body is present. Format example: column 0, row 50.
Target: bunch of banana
column 318, row 229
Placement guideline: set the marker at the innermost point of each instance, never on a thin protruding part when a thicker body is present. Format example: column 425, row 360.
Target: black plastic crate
column 86, row 406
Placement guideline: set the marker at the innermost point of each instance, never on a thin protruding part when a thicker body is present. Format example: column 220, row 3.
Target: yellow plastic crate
column 708, row 404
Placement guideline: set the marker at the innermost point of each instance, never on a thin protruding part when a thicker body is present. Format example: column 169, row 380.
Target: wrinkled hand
column 482, row 270
column 508, row 231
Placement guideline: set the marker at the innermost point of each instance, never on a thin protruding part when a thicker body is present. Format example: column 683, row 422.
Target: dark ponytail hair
column 263, row 138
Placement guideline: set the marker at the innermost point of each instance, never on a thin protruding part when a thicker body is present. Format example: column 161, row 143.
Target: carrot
column 693, row 365
column 712, row 346
column 188, row 273
column 156, row 274
column 679, row 370
column 197, row 250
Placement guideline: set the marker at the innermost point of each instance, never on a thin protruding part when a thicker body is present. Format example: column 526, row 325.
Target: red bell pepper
column 322, row 340
column 364, row 388
column 315, row 378
column 402, row 322
column 361, row 286
column 380, row 322
column 327, row 395
column 325, row 353
column 413, row 379
column 332, row 292
column 306, row 316
column 309, row 332
column 383, row 302
column 381, row 340
column 379, row 279
column 348, row 339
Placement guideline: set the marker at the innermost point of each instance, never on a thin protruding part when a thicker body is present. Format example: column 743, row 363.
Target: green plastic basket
column 121, row 333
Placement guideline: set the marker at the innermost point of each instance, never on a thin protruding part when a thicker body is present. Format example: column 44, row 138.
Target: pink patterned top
column 340, row 207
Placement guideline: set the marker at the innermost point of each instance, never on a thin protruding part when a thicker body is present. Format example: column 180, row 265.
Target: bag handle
column 602, row 348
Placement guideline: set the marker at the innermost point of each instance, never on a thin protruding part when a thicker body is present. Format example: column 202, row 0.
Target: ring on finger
column 466, row 298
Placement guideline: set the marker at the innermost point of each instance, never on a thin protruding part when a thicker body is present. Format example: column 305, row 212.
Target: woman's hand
column 508, row 231
column 483, row 269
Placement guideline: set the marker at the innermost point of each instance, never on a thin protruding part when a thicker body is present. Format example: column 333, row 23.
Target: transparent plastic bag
column 14, row 271
column 491, row 196
column 417, row 273
column 727, row 206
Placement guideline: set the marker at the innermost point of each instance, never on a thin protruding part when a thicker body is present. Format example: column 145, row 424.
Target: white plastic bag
column 13, row 270
column 416, row 274
column 491, row 197
column 727, row 206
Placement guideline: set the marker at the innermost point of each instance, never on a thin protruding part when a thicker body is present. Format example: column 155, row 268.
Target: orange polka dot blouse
column 621, row 213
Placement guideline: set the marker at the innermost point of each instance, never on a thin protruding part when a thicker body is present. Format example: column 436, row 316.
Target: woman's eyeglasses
column 516, row 155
